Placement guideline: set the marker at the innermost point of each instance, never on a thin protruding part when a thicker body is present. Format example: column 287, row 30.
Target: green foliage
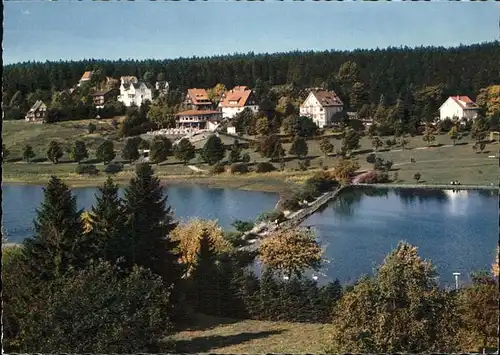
column 235, row 153
column 218, row 168
column 304, row 164
column 57, row 243
column 89, row 169
column 299, row 147
column 245, row 158
column 304, row 127
column 54, row 152
column 429, row 135
column 377, row 143
column 96, row 311
column 264, row 167
column 239, row 168
column 147, row 242
column 242, row 226
column 108, row 222
column 417, row 177
column 78, row 152
column 453, row 134
column 350, row 140
column 130, row 150
column 479, row 129
column 113, row 168
column 5, row 152
column 326, row 146
column 213, row 151
column 28, row 153
column 106, row 152
column 400, row 310
column 91, row 128
column 270, row 147
column 184, row 150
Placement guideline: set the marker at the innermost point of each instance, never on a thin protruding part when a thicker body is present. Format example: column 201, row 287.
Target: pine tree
column 78, row 152
column 106, row 152
column 57, row 244
column 184, row 150
column 160, row 149
column 107, row 223
column 235, row 152
column 213, row 151
column 268, row 297
column 130, row 151
column 28, row 153
column 299, row 147
column 149, row 224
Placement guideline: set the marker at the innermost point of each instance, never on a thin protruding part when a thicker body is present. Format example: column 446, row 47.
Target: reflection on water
column 457, row 230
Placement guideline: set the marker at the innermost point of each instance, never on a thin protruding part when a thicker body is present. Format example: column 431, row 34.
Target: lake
column 457, row 231
column 19, row 204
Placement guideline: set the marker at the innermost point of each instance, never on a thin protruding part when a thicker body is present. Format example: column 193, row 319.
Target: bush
column 91, row 128
column 97, row 310
column 264, row 167
column 239, row 168
column 321, row 182
column 113, row 168
column 89, row 169
column 245, row 158
column 218, row 168
column 374, row 177
column 304, row 164
column 271, row 216
column 291, row 203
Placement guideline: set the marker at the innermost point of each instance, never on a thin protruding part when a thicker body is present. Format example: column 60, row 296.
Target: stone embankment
column 293, row 220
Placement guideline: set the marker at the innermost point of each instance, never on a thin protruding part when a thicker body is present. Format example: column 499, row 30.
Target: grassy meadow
column 437, row 165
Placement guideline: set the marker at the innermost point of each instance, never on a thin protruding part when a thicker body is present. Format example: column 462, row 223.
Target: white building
column 199, row 119
column 236, row 100
column 320, row 106
column 461, row 107
column 134, row 92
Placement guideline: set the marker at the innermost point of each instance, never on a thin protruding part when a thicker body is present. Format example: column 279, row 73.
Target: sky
column 70, row 30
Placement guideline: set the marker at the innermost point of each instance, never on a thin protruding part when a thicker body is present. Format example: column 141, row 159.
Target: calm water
column 457, row 231
column 19, row 204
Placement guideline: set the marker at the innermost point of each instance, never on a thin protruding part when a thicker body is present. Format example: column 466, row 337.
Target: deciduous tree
column 326, row 146
column 453, row 134
column 345, row 169
column 106, row 152
column 299, row 147
column 54, row 152
column 213, row 151
column 28, row 153
column 161, row 147
column 291, row 252
column 78, row 152
column 350, row 140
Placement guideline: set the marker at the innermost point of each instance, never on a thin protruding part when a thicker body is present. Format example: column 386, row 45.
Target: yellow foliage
column 189, row 234
column 494, row 266
column 344, row 170
column 291, row 251
column 86, row 218
column 489, row 98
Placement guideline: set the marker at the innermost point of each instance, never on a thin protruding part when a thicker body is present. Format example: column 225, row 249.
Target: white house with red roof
column 459, row 107
column 320, row 105
column 236, row 100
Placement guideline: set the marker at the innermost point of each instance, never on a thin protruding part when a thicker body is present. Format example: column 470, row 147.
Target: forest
column 432, row 72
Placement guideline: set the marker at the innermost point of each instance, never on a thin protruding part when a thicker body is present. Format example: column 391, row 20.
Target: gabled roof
column 464, row 102
column 103, row 92
column 86, row 76
column 198, row 96
column 197, row 112
column 129, row 79
column 327, row 98
column 237, row 97
column 36, row 105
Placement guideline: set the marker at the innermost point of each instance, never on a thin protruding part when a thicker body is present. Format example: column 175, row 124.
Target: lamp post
column 456, row 274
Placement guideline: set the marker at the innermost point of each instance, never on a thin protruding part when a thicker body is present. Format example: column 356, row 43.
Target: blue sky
column 43, row 30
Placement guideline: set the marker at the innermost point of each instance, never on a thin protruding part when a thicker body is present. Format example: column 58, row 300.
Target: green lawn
column 436, row 164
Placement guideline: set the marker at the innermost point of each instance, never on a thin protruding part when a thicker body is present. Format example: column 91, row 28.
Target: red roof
column 461, row 100
column 198, row 96
column 86, row 76
column 237, row 97
column 197, row 112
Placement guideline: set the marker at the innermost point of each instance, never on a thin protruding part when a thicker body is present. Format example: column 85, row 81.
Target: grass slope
column 227, row 336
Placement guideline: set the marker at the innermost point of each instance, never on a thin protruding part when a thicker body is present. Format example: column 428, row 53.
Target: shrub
column 239, row 168
column 304, row 164
column 271, row 216
column 113, row 168
column 91, row 128
column 291, row 203
column 88, row 169
column 218, row 168
column 264, row 167
column 374, row 177
column 245, row 158
column 321, row 182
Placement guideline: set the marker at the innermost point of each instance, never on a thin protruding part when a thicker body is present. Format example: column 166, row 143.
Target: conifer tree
column 299, row 147
column 268, row 297
column 57, row 244
column 213, row 151
column 54, row 152
column 108, row 222
column 149, row 224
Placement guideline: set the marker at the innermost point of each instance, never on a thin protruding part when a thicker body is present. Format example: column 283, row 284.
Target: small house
column 236, row 100
column 199, row 119
column 100, row 98
column 459, row 107
column 37, row 113
column 320, row 105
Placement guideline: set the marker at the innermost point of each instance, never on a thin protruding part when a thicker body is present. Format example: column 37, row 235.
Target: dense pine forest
column 393, row 72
